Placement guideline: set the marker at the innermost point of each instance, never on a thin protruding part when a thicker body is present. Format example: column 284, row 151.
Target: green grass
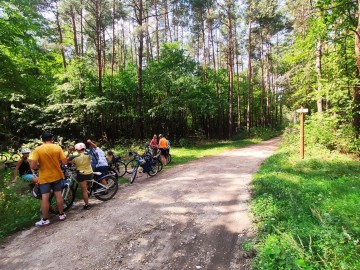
column 307, row 211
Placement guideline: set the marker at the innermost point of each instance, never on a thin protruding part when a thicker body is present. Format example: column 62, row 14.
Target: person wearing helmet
column 82, row 162
column 163, row 146
column 23, row 169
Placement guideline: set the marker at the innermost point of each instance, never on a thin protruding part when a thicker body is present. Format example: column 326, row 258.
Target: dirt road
column 193, row 216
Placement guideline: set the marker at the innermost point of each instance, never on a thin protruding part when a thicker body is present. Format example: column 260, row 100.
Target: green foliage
column 183, row 142
column 324, row 130
column 19, row 209
column 305, row 210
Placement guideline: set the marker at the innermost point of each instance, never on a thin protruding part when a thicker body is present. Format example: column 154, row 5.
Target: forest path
column 192, row 216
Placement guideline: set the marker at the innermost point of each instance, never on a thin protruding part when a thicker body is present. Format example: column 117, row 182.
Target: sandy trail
column 193, row 216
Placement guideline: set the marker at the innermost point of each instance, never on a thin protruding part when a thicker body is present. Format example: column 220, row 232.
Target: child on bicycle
column 82, row 162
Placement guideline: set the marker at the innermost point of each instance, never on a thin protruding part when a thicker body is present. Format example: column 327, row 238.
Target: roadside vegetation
column 307, row 211
column 20, row 210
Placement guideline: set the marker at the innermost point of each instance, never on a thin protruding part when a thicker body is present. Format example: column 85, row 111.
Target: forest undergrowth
column 307, row 210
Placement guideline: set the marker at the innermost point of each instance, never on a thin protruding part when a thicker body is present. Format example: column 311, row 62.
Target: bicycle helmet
column 25, row 151
column 80, row 146
column 160, row 135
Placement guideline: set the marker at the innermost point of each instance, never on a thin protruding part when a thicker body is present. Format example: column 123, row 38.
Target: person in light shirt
column 82, row 162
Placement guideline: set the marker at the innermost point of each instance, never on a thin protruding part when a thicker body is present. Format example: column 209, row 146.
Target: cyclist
column 82, row 162
column 23, row 169
column 47, row 158
column 98, row 160
column 154, row 144
column 163, row 146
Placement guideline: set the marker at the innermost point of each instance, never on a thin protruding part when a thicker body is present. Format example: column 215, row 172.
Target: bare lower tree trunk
column 318, row 72
column 139, row 11
column 113, row 47
column 356, row 112
column 157, row 30
column 248, row 112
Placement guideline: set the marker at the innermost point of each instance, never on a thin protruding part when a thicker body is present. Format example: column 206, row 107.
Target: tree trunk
column 98, row 46
column 230, row 70
column 248, row 112
column 73, row 24
column 113, row 47
column 157, row 30
column 139, row 120
column 318, row 73
column 60, row 36
column 356, row 110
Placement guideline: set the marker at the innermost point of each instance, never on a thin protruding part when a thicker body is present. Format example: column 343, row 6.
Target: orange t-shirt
column 49, row 157
column 163, row 143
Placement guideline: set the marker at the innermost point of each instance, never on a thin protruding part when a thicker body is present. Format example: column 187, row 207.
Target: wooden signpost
column 302, row 117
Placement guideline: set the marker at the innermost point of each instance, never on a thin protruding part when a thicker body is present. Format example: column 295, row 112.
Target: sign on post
column 302, row 111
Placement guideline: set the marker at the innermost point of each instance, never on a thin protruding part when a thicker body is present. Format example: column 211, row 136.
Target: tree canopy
column 128, row 69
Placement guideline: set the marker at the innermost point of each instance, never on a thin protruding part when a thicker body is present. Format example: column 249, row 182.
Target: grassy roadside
column 19, row 210
column 307, row 211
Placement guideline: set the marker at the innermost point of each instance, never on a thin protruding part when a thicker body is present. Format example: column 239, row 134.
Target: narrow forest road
column 193, row 216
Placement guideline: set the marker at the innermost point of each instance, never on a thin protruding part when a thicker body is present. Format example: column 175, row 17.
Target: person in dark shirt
column 23, row 169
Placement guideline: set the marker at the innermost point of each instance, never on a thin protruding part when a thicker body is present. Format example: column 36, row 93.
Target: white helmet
column 25, row 151
column 80, row 146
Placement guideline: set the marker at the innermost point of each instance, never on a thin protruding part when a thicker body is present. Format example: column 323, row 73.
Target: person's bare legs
column 59, row 202
column 45, row 205
column 163, row 160
column 84, row 190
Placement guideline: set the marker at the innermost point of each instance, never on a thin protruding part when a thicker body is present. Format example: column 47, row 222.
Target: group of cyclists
column 88, row 159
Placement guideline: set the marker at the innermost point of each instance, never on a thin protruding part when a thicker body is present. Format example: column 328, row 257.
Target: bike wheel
column 68, row 194
column 120, row 167
column 15, row 157
column 168, row 158
column 154, row 169
column 133, row 174
column 110, row 190
column 113, row 172
column 3, row 158
column 159, row 165
column 130, row 166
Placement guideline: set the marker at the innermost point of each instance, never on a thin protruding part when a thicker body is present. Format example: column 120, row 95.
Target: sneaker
column 42, row 223
column 86, row 207
column 62, row 217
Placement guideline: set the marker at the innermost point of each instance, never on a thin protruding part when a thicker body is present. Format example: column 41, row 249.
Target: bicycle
column 3, row 158
column 15, row 155
column 95, row 188
column 117, row 166
column 147, row 162
column 168, row 156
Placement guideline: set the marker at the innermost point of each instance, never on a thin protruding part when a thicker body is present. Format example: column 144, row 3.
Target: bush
column 183, row 142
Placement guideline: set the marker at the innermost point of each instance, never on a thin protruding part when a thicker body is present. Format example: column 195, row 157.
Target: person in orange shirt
column 163, row 146
column 47, row 158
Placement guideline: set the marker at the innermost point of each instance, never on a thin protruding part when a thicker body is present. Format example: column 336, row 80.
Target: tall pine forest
column 128, row 69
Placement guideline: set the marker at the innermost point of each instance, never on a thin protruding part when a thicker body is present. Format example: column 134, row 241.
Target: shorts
column 102, row 169
column 55, row 186
column 84, row 177
column 27, row 177
column 164, row 151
